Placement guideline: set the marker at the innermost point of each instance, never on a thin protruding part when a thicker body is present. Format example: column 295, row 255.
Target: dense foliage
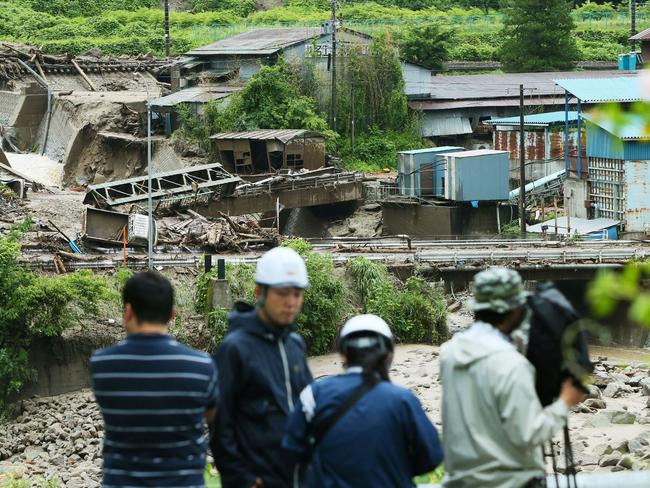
column 121, row 27
column 427, row 45
column 34, row 306
column 326, row 302
column 610, row 290
column 538, row 36
column 416, row 311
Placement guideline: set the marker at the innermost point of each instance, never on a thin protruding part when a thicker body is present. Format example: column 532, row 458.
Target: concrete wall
column 22, row 112
column 575, row 195
column 637, row 190
column 442, row 222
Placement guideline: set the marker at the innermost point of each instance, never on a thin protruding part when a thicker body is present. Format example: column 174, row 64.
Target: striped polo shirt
column 153, row 393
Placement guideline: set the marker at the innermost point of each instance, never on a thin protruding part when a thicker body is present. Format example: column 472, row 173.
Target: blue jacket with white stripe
column 261, row 374
column 383, row 441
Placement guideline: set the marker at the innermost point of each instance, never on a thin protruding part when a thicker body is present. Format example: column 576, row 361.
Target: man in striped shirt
column 155, row 395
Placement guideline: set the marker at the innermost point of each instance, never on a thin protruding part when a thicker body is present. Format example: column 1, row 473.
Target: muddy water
column 621, row 354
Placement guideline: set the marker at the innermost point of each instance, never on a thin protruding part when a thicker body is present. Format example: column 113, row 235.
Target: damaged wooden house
column 269, row 151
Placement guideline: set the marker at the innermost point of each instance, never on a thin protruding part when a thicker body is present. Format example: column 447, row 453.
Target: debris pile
column 219, row 234
column 55, row 438
column 92, row 72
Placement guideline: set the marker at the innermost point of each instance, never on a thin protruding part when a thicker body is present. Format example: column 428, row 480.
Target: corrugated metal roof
column 629, row 128
column 641, row 36
column 446, row 126
column 475, row 152
column 433, row 150
column 601, row 90
column 578, row 225
column 282, row 135
column 489, row 102
column 258, row 41
column 506, row 85
column 195, row 94
column 542, row 120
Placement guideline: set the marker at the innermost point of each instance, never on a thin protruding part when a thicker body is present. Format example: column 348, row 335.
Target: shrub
column 37, row 306
column 415, row 311
column 325, row 303
column 376, row 149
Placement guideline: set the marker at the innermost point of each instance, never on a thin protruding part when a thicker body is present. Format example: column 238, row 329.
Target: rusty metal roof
column 258, row 41
column 492, row 102
column 282, row 135
column 506, row 85
column 641, row 36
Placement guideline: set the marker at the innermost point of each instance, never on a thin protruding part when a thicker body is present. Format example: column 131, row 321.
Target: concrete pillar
column 219, row 294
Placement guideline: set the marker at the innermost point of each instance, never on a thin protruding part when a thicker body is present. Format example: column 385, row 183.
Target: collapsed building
column 88, row 113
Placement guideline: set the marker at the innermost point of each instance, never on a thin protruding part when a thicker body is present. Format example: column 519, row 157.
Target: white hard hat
column 281, row 267
column 369, row 323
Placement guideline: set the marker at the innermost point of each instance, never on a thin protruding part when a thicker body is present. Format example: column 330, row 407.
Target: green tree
column 427, row 45
column 538, row 36
column 376, row 79
column 37, row 306
column 270, row 100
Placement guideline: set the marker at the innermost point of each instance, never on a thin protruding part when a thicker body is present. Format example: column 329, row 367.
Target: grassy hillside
column 136, row 26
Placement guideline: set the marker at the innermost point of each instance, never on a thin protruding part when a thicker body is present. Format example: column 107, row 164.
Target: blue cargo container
column 477, row 175
column 421, row 172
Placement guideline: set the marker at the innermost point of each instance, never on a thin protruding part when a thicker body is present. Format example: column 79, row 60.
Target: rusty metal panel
column 637, row 189
column 607, row 188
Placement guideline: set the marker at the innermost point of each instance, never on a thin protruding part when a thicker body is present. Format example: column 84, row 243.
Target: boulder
column 610, row 459
column 612, row 390
column 595, row 403
column 623, row 418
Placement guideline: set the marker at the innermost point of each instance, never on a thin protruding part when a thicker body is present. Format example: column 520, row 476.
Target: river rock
column 595, row 403
column 623, row 418
column 645, row 386
column 612, row 390
column 638, row 444
column 610, row 459
column 594, row 392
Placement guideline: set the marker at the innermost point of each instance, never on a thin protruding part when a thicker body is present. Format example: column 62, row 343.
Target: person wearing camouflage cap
column 493, row 422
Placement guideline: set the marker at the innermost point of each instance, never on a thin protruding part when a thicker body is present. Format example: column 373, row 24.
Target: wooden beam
column 83, row 75
column 40, row 70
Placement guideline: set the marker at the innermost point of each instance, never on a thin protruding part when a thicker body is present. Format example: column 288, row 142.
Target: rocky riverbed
column 60, row 437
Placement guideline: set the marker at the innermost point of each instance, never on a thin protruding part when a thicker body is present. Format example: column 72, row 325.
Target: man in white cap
column 493, row 422
column 262, row 368
column 358, row 430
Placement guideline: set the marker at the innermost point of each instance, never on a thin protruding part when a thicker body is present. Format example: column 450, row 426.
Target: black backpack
column 557, row 347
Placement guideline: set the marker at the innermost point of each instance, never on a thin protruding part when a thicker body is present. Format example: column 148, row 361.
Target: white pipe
column 537, row 183
column 627, row 479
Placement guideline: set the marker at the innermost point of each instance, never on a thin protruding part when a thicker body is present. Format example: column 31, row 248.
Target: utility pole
column 352, row 125
column 633, row 22
column 167, row 36
column 522, row 165
column 333, row 108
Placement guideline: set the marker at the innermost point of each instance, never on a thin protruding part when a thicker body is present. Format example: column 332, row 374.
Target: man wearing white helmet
column 262, row 368
column 359, row 430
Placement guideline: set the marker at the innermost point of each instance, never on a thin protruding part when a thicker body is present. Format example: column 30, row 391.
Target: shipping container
column 476, row 175
column 421, row 172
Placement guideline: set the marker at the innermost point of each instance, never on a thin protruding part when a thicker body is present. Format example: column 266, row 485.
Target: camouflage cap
column 497, row 289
